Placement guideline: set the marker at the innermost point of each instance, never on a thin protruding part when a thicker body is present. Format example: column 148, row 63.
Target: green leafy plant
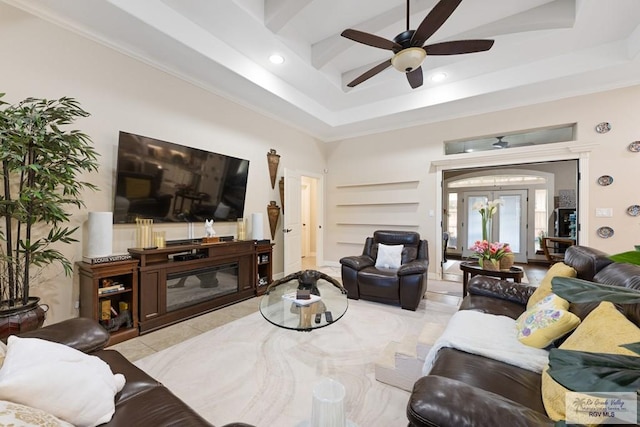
column 596, row 372
column 584, row 371
column 40, row 168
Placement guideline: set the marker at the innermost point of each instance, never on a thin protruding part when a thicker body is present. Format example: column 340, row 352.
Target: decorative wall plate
column 603, row 127
column 605, row 180
column 605, row 232
column 634, row 147
column 633, row 210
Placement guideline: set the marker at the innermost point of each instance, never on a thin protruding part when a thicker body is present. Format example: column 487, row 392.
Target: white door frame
column 546, row 153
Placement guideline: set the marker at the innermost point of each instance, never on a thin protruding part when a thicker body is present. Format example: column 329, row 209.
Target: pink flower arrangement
column 482, row 249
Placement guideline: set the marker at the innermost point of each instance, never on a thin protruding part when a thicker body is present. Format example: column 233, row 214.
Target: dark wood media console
column 186, row 280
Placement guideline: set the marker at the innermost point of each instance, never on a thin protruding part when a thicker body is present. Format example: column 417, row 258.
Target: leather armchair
column 404, row 286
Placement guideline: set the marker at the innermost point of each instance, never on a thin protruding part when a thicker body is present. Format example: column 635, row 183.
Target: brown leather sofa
column 143, row 401
column 404, row 286
column 463, row 389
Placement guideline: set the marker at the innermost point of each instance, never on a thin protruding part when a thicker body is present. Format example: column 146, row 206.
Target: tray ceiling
column 544, row 50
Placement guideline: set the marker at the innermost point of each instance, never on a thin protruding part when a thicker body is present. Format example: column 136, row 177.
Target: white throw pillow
column 389, row 256
column 60, row 380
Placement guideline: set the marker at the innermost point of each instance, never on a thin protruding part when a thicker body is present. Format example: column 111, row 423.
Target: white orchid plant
column 487, row 210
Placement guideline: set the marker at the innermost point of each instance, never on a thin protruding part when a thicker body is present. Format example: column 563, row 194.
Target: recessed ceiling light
column 276, row 59
column 438, row 77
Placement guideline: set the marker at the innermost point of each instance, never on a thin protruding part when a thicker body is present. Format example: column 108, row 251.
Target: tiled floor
column 150, row 343
column 534, row 271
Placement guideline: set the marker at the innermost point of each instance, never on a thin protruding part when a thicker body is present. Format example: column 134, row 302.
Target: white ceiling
column 544, row 50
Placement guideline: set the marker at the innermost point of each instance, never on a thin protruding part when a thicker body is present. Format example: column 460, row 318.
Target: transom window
column 550, row 135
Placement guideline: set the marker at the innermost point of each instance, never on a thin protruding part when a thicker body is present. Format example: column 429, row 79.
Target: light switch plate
column 604, row 212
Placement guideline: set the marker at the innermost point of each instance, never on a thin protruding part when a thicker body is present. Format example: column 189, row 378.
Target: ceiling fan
column 409, row 49
column 500, row 143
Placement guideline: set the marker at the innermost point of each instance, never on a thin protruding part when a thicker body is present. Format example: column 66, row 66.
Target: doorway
column 530, row 194
column 308, row 209
column 303, row 218
column 508, row 225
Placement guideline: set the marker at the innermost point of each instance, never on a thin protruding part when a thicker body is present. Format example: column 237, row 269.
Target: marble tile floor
column 153, row 342
column 535, row 272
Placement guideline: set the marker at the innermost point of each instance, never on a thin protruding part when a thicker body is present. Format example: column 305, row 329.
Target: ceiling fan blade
column 370, row 39
column 372, row 72
column 434, row 20
column 415, row 77
column 459, row 46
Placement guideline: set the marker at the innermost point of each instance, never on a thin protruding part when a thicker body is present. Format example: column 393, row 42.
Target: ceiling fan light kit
column 408, row 59
column 409, row 49
column 500, row 143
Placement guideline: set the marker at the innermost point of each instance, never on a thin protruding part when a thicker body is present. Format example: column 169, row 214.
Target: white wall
column 42, row 60
column 39, row 59
column 409, row 154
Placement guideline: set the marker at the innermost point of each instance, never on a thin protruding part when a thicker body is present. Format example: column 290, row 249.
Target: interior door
column 292, row 222
column 509, row 224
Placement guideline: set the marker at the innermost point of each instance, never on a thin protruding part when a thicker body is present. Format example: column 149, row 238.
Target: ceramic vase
column 273, row 213
column 273, row 159
column 24, row 318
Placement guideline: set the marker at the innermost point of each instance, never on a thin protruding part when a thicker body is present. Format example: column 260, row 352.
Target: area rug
column 252, row 371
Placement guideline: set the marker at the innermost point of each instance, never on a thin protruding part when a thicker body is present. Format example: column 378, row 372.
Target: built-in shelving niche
column 363, row 208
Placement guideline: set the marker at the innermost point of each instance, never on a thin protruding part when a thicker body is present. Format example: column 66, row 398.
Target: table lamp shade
column 100, row 234
column 257, row 226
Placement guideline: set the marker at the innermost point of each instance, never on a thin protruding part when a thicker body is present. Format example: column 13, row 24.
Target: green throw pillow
column 631, row 257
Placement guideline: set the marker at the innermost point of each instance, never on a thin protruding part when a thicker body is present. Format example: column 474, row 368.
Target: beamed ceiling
column 544, row 50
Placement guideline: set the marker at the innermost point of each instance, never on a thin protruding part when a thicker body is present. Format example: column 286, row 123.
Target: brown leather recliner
column 404, row 286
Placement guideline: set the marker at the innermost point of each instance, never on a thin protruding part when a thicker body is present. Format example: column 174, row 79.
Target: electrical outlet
column 76, row 305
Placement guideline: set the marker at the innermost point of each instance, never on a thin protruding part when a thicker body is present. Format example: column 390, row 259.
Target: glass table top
column 280, row 306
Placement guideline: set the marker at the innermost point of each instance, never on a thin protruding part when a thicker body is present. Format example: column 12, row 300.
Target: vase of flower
column 490, row 255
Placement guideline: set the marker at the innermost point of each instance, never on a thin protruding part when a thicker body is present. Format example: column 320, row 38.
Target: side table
column 470, row 269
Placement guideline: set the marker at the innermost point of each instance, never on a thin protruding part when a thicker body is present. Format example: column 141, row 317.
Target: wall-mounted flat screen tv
column 173, row 183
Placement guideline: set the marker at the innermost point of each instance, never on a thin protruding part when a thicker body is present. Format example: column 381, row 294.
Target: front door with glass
column 508, row 225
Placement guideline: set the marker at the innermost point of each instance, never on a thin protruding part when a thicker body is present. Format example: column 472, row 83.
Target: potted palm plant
column 40, row 166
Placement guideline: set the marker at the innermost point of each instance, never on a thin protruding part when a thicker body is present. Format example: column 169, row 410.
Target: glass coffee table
column 327, row 301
